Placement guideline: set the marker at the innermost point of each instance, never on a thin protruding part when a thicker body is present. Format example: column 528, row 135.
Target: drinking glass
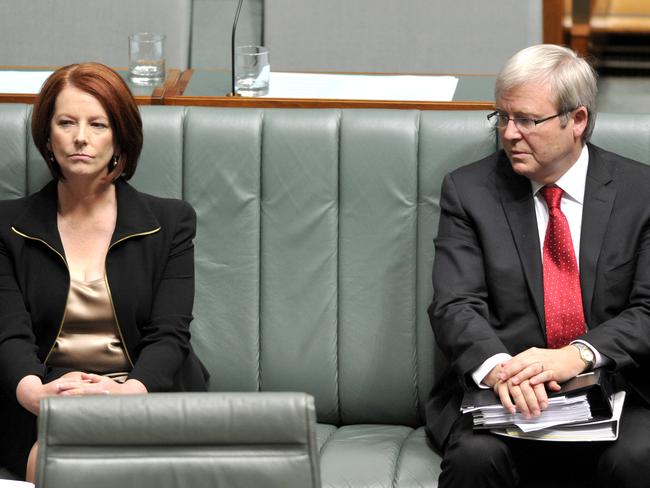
column 146, row 58
column 252, row 71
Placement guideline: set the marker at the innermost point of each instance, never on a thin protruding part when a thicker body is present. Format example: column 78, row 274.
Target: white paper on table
column 15, row 484
column 22, row 81
column 362, row 87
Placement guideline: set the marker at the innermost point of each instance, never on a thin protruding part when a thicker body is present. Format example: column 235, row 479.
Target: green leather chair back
column 625, row 134
column 171, row 440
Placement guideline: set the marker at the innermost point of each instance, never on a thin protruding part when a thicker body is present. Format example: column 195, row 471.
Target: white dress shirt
column 573, row 183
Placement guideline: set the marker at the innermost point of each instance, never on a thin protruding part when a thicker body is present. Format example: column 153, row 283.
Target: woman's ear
column 115, row 160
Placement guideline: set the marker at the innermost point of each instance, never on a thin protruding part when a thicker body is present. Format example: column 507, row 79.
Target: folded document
column 584, row 409
column 592, row 430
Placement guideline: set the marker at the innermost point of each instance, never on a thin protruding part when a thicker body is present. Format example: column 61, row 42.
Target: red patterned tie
column 562, row 299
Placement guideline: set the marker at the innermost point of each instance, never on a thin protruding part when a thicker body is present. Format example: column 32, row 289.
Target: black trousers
column 17, row 435
column 480, row 459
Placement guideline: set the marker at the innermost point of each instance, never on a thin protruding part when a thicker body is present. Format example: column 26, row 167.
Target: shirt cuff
column 482, row 371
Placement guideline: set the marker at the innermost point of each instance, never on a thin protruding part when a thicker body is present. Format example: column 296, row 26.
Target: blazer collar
column 39, row 220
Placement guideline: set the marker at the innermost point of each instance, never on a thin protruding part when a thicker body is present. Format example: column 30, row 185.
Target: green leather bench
column 313, row 256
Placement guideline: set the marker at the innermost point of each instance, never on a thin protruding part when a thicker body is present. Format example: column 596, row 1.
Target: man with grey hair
column 542, row 272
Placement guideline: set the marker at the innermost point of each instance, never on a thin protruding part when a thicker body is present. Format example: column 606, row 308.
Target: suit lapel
column 598, row 203
column 519, row 208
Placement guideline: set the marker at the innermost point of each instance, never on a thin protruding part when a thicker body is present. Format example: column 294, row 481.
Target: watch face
column 586, row 354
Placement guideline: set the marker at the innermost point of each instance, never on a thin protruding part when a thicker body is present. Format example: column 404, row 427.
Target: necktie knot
column 552, row 195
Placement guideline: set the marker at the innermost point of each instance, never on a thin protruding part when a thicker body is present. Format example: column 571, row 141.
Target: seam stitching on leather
column 339, row 119
column 398, row 460
column 184, row 115
column 310, row 428
column 416, row 318
column 28, row 118
column 327, row 441
column 259, row 253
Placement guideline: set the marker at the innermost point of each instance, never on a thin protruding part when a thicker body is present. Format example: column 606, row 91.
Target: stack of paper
column 593, row 430
column 561, row 410
column 584, row 409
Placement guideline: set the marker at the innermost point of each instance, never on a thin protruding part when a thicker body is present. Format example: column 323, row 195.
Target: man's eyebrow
column 518, row 115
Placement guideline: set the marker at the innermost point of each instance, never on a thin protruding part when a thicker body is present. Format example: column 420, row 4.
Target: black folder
column 597, row 384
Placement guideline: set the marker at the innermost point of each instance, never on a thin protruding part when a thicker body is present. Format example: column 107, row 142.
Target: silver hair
column 571, row 78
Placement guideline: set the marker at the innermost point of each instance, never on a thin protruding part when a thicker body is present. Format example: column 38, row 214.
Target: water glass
column 146, row 58
column 252, row 71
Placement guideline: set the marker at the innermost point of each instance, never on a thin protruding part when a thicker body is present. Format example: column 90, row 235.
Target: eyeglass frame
column 536, row 122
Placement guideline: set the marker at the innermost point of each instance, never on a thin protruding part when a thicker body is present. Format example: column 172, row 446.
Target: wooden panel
column 580, row 27
column 553, row 18
column 621, row 16
column 324, row 103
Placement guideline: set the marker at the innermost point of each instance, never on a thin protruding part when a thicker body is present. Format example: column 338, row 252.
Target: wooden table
column 144, row 95
column 210, row 88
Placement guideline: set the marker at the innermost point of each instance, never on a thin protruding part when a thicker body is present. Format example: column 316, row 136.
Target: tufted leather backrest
column 315, row 239
column 314, row 250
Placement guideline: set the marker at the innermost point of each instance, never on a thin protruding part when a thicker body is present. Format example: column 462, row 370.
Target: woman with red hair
column 96, row 278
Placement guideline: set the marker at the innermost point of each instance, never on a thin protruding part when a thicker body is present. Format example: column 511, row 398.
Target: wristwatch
column 586, row 354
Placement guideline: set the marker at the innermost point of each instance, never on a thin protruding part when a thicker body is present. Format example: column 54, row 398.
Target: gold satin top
column 89, row 339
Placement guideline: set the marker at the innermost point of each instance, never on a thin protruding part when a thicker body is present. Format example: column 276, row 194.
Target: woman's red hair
column 111, row 91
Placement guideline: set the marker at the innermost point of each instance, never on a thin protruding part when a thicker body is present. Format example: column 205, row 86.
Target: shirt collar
column 573, row 182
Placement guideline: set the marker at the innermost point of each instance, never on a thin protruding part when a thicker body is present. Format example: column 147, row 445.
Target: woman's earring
column 52, row 160
column 116, row 159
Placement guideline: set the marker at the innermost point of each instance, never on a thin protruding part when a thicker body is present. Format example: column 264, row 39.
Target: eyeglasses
column 524, row 124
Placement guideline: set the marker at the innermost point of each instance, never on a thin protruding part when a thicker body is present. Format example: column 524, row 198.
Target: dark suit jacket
column 487, row 273
column 150, row 270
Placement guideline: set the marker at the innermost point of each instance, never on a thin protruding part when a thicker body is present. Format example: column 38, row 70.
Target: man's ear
column 580, row 121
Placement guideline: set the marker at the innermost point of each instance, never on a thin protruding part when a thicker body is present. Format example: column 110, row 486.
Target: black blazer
column 150, row 271
column 487, row 273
